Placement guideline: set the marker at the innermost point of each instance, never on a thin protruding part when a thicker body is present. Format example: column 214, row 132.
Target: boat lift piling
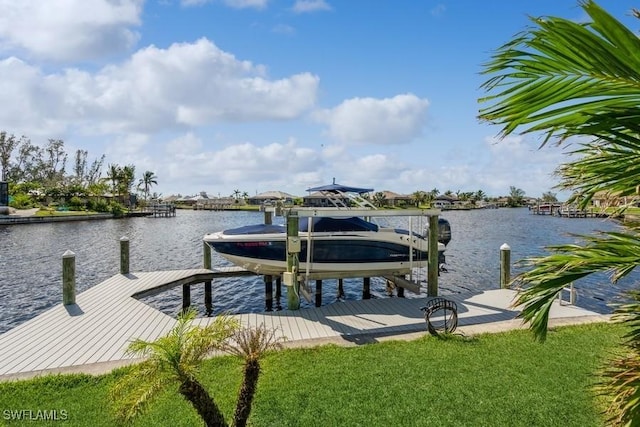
column 206, row 263
column 292, row 277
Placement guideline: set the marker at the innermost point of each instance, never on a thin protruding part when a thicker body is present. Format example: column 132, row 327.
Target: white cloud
column 187, row 84
column 276, row 166
column 283, row 29
column 308, row 6
column 438, row 10
column 69, row 30
column 396, row 120
column 242, row 4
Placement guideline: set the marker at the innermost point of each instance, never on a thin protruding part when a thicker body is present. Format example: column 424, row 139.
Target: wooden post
column 268, row 216
column 186, row 297
column 268, row 293
column 432, row 267
column 340, row 288
column 68, row 278
column 293, row 263
column 318, row 293
column 278, row 292
column 505, row 265
column 124, row 255
column 366, row 288
column 206, row 263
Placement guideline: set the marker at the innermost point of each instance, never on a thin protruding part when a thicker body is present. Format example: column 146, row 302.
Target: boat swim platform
column 92, row 335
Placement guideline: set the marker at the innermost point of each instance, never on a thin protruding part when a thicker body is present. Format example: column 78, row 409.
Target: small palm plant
column 174, row 358
column 250, row 344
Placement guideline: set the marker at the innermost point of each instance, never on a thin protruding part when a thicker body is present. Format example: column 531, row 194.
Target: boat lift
column 293, row 276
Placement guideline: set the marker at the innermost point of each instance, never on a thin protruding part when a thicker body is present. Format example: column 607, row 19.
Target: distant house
column 397, row 200
column 604, row 199
column 269, row 197
column 443, row 202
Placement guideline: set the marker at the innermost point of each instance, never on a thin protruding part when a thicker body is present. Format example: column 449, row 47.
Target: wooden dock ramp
column 93, row 334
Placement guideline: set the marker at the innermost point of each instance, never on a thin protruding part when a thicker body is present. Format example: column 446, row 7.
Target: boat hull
column 363, row 254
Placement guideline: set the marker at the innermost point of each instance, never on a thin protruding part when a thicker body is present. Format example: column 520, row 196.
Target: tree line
column 421, row 198
column 41, row 176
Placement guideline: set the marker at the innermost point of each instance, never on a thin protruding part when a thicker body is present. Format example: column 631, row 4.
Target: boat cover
column 338, row 224
column 341, row 188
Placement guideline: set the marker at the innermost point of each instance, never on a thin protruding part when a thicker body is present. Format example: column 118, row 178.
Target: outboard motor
column 444, row 231
column 444, row 237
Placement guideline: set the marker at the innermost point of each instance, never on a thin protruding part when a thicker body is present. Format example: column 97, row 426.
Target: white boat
column 344, row 246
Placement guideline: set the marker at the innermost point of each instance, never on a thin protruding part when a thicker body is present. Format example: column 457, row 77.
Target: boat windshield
column 338, row 224
column 256, row 229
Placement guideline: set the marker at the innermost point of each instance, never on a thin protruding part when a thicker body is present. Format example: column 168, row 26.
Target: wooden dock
column 93, row 334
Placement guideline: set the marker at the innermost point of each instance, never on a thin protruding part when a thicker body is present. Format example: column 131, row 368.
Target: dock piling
column 318, row 293
column 505, row 265
column 186, row 297
column 68, row 278
column 124, row 255
column 268, row 293
column 366, row 288
column 206, row 263
column 278, row 292
column 293, row 263
column 432, row 266
column 340, row 289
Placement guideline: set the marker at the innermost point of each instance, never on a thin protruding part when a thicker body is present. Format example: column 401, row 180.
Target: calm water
column 31, row 257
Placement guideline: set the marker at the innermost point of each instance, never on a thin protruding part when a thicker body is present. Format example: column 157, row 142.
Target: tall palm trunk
column 247, row 392
column 195, row 393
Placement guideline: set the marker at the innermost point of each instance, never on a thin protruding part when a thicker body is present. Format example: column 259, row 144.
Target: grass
column 47, row 212
column 491, row 380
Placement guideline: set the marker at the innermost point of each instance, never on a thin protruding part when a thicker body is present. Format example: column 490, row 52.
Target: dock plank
column 107, row 317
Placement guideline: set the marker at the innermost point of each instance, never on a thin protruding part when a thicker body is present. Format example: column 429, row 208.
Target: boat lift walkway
column 92, row 335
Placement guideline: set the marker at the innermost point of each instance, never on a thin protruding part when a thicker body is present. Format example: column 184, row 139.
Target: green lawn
column 53, row 212
column 492, row 380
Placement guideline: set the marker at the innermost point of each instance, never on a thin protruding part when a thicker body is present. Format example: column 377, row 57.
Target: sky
column 265, row 95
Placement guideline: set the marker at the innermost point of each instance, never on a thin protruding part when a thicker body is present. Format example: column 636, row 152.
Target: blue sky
column 260, row 95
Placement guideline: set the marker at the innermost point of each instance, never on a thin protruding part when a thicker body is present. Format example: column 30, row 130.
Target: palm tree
column 250, row 344
column 379, row 199
column 418, row 198
column 148, row 179
column 236, row 195
column 549, row 197
column 127, row 177
column 563, row 79
column 113, row 174
column 174, row 358
column 516, row 196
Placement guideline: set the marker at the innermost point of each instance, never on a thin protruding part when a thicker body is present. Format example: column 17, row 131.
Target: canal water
column 31, row 258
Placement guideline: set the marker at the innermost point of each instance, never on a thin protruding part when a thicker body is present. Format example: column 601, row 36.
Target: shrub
column 21, row 201
column 116, row 208
column 99, row 205
column 76, row 204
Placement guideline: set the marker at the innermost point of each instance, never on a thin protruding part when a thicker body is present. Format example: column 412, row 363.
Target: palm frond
column 132, row 394
column 613, row 252
column 201, row 341
column 559, row 75
column 602, row 167
column 622, row 376
column 252, row 343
